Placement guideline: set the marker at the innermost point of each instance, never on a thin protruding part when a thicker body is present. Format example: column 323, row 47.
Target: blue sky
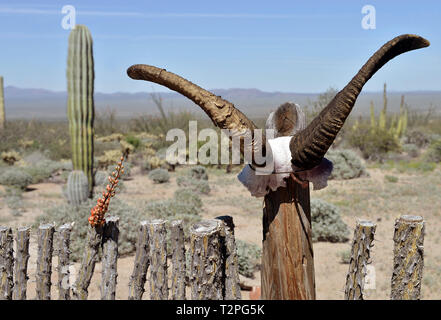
column 299, row 46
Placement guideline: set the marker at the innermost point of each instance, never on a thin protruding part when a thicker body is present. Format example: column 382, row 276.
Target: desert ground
column 373, row 198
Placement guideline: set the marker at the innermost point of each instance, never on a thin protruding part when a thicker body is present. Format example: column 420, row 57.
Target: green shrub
column 248, row 257
column 327, row 224
column 345, row 256
column 43, row 170
column 373, row 144
column 391, row 179
column 130, row 218
column 159, row 175
column 418, row 138
column 347, row 165
column 15, row 177
column 198, row 172
column 188, row 196
column 433, row 153
column 134, row 141
column 411, row 149
column 196, row 185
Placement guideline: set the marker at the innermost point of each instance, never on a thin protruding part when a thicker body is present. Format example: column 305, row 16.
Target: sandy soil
column 370, row 198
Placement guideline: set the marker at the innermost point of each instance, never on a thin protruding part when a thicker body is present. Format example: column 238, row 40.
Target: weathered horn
column 309, row 146
column 222, row 112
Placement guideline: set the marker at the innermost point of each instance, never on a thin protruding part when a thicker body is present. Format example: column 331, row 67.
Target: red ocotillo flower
column 97, row 213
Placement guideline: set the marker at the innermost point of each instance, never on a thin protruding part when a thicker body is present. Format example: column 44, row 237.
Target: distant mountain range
column 51, row 105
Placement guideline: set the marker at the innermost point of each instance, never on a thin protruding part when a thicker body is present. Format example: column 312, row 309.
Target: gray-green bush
column 248, row 257
column 327, row 224
column 433, row 153
column 196, row 185
column 130, row 217
column 347, row 165
column 198, row 172
column 159, row 175
column 15, row 177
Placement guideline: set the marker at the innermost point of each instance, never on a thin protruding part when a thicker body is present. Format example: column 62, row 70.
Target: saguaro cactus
column 2, row 105
column 80, row 104
column 77, row 190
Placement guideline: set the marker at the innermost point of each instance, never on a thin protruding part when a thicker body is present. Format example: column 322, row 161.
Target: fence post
column 110, row 258
column 158, row 260
column 178, row 276
column 63, row 253
column 44, row 261
column 408, row 258
column 21, row 263
column 90, row 256
column 287, row 256
column 206, row 260
column 231, row 267
column 360, row 258
column 6, row 263
column 141, row 263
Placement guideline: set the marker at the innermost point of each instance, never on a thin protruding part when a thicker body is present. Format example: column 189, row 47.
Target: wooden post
column 63, row 253
column 360, row 258
column 230, row 263
column 21, row 263
column 141, row 263
column 110, row 258
column 6, row 263
column 408, row 258
column 158, row 260
column 178, row 276
column 206, row 260
column 287, row 256
column 44, row 261
column 90, row 256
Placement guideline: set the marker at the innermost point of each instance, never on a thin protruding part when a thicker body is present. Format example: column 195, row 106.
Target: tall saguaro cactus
column 2, row 105
column 80, row 104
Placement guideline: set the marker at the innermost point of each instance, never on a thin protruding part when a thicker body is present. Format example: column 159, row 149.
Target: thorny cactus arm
column 408, row 258
column 63, row 253
column 231, row 266
column 206, row 261
column 110, row 257
column 44, row 261
column 178, row 282
column 21, row 263
column 158, row 260
column 360, row 258
column 6, row 263
column 141, row 263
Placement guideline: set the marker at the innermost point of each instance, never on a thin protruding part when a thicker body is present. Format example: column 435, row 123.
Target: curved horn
column 309, row 146
column 222, row 112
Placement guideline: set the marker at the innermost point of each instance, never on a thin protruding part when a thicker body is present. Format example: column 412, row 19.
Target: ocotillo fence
column 209, row 267
column 212, row 272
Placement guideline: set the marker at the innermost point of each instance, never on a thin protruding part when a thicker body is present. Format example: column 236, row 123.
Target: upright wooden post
column 6, row 263
column 44, row 261
column 21, row 263
column 287, row 257
column 110, row 258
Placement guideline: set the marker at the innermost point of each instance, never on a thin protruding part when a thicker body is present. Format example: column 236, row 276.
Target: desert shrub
column 159, row 175
column 345, row 256
column 196, row 185
column 15, row 177
column 14, row 200
column 110, row 157
column 10, row 157
column 391, row 179
column 416, row 137
column 411, row 149
column 433, row 153
column 327, row 224
column 198, row 172
column 248, row 257
column 134, row 141
column 129, row 221
column 373, row 144
column 43, row 170
column 347, row 165
column 152, row 163
column 187, row 196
